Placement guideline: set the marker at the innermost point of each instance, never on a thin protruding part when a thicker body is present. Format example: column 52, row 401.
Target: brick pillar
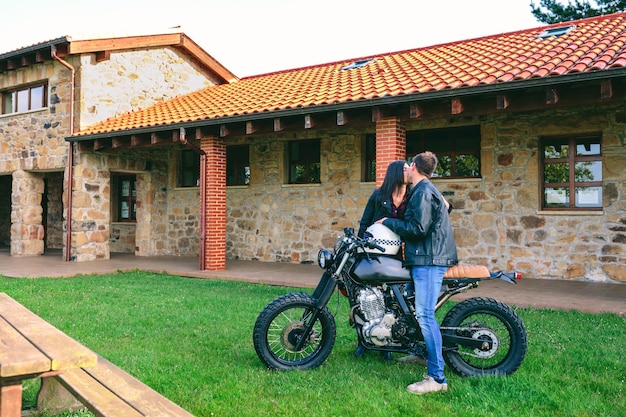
column 215, row 205
column 390, row 145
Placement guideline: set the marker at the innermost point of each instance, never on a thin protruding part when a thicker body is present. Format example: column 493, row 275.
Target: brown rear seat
column 467, row 271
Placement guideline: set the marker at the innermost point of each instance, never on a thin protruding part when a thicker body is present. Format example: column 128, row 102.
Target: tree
column 552, row 11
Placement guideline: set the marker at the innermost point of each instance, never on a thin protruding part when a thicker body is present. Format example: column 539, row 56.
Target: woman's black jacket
column 374, row 210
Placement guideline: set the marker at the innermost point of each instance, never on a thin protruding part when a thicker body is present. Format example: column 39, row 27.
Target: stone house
column 54, row 88
column 529, row 127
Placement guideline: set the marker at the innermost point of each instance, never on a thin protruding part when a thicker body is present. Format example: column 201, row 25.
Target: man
column 429, row 251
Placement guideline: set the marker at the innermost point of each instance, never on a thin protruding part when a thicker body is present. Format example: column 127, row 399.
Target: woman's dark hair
column 425, row 163
column 393, row 178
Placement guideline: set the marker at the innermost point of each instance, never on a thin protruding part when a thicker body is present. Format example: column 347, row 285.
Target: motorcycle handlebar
column 372, row 245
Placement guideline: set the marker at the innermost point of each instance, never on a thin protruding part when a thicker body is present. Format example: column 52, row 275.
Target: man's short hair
column 425, row 163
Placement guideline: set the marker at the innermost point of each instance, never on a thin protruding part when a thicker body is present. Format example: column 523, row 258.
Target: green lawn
column 191, row 340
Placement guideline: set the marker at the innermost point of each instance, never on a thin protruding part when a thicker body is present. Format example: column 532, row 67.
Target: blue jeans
column 427, row 281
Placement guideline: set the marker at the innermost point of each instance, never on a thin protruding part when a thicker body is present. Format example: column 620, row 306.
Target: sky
column 251, row 37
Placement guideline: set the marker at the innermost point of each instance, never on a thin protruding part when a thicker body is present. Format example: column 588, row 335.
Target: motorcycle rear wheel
column 280, row 326
column 492, row 321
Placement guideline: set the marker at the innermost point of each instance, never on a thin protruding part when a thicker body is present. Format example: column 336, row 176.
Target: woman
column 390, row 199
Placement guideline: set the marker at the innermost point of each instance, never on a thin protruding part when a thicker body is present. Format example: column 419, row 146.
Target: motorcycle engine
column 378, row 325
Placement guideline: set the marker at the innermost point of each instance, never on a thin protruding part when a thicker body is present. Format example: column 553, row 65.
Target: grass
column 191, row 340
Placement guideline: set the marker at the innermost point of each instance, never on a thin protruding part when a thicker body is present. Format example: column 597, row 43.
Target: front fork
column 321, row 295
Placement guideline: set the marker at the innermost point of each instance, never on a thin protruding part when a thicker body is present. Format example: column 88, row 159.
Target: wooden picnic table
column 30, row 347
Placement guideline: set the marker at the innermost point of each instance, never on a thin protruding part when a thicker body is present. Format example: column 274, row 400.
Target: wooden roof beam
column 606, row 89
column 342, row 118
column 278, row 125
column 457, row 106
column 416, row 111
column 308, row 122
column 99, row 144
column 250, row 128
column 120, row 142
column 136, row 141
column 502, row 102
column 552, row 96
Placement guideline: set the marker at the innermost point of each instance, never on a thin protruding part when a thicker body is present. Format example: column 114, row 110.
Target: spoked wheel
column 495, row 324
column 284, row 323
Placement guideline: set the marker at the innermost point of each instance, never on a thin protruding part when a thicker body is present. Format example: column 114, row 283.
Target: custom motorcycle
column 481, row 336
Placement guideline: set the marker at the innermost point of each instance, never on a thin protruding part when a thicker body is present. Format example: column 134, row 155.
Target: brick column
column 215, row 205
column 390, row 145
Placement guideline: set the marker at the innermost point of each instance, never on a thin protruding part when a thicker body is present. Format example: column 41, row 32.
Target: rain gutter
column 184, row 141
column 70, row 168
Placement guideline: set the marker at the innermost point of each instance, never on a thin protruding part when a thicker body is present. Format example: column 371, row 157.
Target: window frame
column 188, row 164
column 309, row 156
column 118, row 197
column 572, row 142
column 237, row 165
column 369, row 158
column 460, row 145
column 14, row 102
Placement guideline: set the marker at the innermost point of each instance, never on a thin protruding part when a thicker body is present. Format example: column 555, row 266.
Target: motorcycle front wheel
column 282, row 324
column 493, row 322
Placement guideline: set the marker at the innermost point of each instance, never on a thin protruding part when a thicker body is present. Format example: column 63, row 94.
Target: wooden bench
column 30, row 347
column 105, row 390
column 72, row 376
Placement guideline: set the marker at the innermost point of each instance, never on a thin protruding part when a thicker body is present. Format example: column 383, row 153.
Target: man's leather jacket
column 426, row 228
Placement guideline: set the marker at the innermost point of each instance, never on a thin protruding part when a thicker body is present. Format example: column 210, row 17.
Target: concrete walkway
column 540, row 293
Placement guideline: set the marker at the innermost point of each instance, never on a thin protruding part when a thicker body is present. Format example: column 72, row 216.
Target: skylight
column 556, row 31
column 358, row 64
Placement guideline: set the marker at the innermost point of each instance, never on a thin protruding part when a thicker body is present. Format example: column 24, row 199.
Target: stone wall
column 36, row 140
column 53, row 207
column 497, row 219
column 167, row 216
column 274, row 222
column 122, row 238
column 27, row 231
column 135, row 79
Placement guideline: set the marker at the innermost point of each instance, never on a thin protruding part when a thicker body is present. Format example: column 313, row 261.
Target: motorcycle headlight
column 324, row 258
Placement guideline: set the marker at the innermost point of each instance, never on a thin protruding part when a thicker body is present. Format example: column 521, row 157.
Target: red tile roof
column 591, row 45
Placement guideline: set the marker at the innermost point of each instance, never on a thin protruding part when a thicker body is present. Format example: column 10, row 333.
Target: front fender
column 324, row 289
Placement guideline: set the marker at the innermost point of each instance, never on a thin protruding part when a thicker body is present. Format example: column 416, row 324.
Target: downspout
column 184, row 141
column 70, row 169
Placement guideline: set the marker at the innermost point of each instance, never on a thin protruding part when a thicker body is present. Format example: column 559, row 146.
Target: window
column 358, row 64
column 457, row 149
column 556, row 32
column 571, row 167
column 238, row 165
column 369, row 163
column 24, row 99
column 189, row 172
column 124, row 198
column 304, row 162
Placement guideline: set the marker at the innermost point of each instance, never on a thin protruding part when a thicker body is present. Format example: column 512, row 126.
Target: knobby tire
column 279, row 327
column 486, row 319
